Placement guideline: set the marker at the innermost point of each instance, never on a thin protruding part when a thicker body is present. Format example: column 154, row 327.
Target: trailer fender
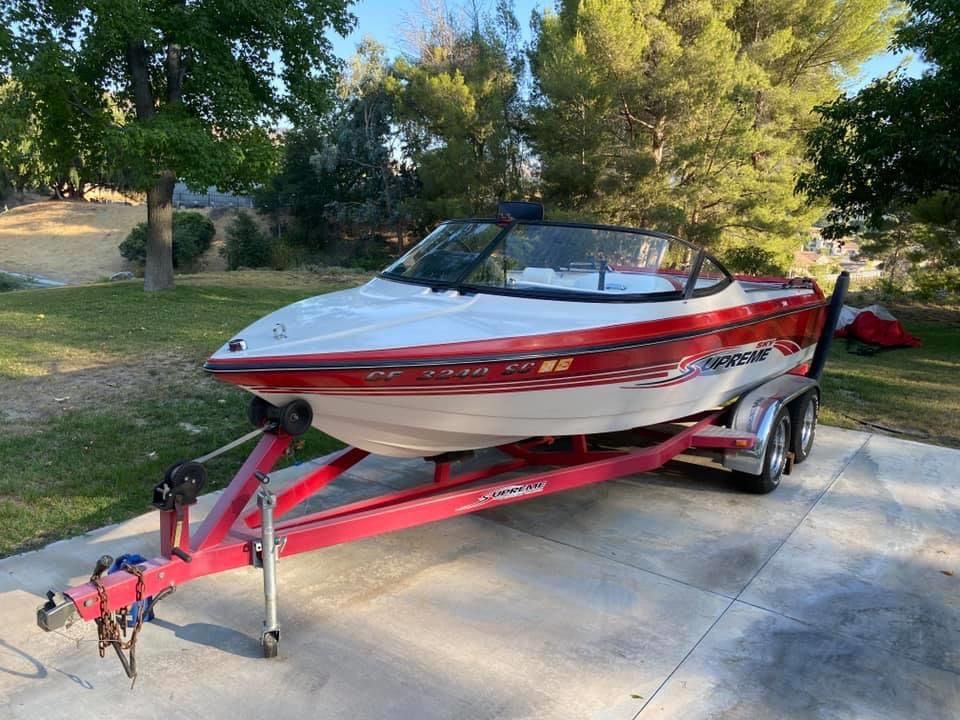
column 755, row 413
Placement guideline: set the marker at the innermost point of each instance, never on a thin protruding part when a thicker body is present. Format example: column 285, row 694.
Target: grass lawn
column 101, row 389
column 911, row 392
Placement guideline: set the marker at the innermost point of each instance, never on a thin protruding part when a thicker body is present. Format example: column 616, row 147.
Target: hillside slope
column 73, row 242
column 76, row 242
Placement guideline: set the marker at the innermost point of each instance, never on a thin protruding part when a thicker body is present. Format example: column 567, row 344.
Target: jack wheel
column 774, row 459
column 270, row 644
column 803, row 415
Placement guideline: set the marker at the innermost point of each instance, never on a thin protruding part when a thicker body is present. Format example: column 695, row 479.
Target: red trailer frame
column 231, row 536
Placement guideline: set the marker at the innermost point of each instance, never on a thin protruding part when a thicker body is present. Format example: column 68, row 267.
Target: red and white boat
column 491, row 331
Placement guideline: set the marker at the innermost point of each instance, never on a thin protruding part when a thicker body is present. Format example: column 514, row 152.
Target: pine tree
column 688, row 116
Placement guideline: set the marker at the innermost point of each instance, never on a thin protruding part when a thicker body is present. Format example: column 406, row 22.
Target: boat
column 490, row 331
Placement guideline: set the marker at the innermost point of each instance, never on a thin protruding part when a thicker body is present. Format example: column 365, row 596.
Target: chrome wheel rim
column 808, row 426
column 778, row 450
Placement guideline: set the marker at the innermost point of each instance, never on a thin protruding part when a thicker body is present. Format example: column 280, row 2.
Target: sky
column 385, row 21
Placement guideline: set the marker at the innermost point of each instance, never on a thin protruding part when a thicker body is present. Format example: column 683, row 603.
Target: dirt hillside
column 76, row 242
column 72, row 242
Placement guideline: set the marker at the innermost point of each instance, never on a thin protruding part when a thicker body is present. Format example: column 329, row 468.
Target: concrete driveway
column 668, row 595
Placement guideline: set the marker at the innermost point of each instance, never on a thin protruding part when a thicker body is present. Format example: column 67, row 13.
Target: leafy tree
column 919, row 245
column 19, row 166
column 200, row 84
column 344, row 179
column 752, row 260
column 370, row 183
column 689, row 116
column 461, row 113
column 297, row 189
column 897, row 141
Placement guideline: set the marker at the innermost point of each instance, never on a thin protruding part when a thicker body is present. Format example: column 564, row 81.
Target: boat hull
column 420, row 408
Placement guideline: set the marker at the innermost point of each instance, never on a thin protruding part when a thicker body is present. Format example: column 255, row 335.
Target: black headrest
column 520, row 210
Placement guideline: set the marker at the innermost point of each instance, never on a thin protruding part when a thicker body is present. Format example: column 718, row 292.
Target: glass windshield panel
column 563, row 259
column 710, row 275
column 446, row 253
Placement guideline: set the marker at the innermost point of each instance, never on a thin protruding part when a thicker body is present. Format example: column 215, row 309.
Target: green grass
column 913, row 392
column 97, row 461
column 118, row 321
column 94, row 460
column 94, row 467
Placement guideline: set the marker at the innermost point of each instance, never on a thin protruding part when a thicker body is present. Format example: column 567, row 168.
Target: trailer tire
column 804, row 412
column 774, row 458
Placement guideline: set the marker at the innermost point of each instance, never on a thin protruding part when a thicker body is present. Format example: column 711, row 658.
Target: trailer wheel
column 803, row 414
column 775, row 458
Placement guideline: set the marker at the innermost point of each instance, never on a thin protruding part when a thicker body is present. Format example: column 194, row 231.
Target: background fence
column 185, row 198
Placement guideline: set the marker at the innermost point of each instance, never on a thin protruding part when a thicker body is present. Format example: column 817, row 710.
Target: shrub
column 936, row 285
column 10, row 282
column 751, row 260
column 247, row 245
column 192, row 234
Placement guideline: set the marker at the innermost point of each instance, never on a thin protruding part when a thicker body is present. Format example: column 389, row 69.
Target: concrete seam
column 759, row 570
column 683, row 660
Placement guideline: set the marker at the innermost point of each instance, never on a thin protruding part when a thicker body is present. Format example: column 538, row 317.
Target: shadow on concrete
column 39, row 671
column 215, row 636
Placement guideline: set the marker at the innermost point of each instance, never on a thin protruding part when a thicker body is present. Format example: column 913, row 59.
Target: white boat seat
column 628, row 283
column 539, row 275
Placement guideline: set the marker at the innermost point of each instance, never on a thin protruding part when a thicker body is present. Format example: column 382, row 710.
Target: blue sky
column 386, row 19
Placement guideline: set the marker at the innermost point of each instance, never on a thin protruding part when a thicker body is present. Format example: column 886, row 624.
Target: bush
column 936, row 285
column 192, row 234
column 247, row 245
column 752, row 260
column 10, row 282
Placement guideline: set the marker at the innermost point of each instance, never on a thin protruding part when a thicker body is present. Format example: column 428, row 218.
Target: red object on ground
column 873, row 328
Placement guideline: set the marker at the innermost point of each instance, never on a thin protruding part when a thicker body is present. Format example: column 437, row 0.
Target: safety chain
column 112, row 626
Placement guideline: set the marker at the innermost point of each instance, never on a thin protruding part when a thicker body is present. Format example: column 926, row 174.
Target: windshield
column 542, row 259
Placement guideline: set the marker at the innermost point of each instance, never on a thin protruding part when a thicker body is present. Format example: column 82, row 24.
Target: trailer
column 759, row 437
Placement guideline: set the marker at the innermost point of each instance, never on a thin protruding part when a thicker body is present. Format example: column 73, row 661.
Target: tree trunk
column 158, row 274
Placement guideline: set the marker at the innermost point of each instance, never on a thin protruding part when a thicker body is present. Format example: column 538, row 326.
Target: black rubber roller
column 296, row 417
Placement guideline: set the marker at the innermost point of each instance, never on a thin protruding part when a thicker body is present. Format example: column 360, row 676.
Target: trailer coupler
column 57, row 613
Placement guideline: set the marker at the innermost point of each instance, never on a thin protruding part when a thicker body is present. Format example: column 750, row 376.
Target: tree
column 689, row 116
column 344, row 178
column 897, row 141
column 200, row 84
column 20, row 164
column 461, row 112
column 360, row 157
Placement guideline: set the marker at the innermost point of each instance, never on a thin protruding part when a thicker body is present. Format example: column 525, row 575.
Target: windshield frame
column 460, row 285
